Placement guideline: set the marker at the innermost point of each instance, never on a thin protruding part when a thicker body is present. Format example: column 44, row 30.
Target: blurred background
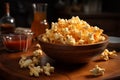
column 102, row 13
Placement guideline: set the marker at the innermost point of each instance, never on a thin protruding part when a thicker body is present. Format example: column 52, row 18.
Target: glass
column 7, row 22
column 20, row 40
column 39, row 23
column 17, row 42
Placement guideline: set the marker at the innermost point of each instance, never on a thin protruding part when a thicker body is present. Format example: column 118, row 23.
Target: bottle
column 7, row 22
column 39, row 24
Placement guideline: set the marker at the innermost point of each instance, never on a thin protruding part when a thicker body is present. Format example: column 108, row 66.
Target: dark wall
column 22, row 10
column 111, row 6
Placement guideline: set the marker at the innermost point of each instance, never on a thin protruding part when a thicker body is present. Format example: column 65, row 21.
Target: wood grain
column 10, row 69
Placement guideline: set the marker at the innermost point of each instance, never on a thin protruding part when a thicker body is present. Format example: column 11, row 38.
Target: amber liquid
column 7, row 28
column 38, row 26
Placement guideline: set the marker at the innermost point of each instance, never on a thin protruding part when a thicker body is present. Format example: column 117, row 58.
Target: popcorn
column 112, row 54
column 54, row 27
column 24, row 62
column 70, row 40
column 35, row 60
column 48, row 69
column 97, row 71
column 57, row 36
column 65, row 30
column 91, row 38
column 81, row 41
column 73, row 31
column 44, row 38
column 32, row 63
column 96, row 28
column 37, row 52
column 102, row 38
column 35, row 70
column 106, row 54
column 38, row 46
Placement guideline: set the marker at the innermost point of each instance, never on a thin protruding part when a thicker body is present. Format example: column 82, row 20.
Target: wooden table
column 10, row 69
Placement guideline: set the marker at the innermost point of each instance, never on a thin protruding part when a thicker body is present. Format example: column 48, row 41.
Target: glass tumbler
column 39, row 23
column 17, row 42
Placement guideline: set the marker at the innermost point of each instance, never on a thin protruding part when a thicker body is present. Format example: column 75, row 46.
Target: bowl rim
column 105, row 41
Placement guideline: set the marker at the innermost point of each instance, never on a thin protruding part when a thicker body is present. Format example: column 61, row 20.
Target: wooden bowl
column 73, row 54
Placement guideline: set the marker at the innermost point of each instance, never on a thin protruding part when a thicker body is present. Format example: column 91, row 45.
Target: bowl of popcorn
column 73, row 41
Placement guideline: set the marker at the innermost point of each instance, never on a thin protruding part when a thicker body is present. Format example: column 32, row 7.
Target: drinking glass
column 39, row 23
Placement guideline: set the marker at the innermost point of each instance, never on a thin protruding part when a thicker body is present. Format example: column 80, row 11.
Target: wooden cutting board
column 10, row 69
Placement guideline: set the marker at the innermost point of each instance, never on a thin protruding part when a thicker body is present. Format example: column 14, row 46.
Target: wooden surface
column 10, row 69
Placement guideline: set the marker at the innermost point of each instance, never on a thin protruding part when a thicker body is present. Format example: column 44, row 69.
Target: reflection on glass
column 7, row 22
column 39, row 23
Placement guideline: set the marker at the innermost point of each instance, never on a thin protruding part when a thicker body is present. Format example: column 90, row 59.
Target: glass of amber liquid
column 39, row 23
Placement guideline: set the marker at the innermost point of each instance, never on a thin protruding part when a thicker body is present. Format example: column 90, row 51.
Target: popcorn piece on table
column 48, row 69
column 35, row 70
column 24, row 62
column 112, row 54
column 38, row 46
column 97, row 71
column 36, row 60
column 106, row 54
column 37, row 52
column 33, row 62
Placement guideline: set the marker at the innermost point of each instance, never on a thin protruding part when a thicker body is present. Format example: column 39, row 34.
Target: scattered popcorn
column 37, row 52
column 106, row 54
column 36, row 60
column 48, row 69
column 73, row 31
column 112, row 53
column 32, row 63
column 97, row 71
column 34, row 71
column 24, row 62
column 38, row 46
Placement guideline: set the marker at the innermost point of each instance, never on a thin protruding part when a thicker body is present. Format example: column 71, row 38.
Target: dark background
column 22, row 11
